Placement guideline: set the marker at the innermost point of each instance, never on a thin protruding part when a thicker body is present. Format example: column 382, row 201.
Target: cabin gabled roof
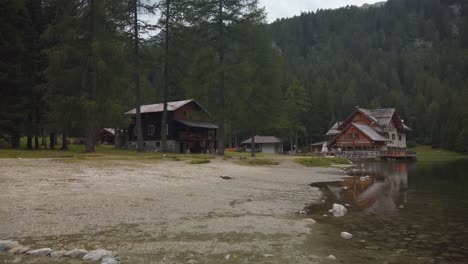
column 334, row 129
column 262, row 140
column 369, row 131
column 171, row 106
column 382, row 117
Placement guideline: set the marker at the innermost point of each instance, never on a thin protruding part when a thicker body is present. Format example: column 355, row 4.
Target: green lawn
column 429, row 154
column 102, row 151
column 321, row 161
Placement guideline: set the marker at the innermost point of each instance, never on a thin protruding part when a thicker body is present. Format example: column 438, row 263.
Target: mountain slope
column 408, row 54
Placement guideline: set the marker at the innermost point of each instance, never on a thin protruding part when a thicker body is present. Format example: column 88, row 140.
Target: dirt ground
column 161, row 211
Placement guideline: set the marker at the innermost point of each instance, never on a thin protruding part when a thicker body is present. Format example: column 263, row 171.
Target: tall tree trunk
column 64, row 141
column 52, row 140
column 291, row 141
column 139, row 128
column 43, row 141
column 221, row 54
column 36, row 126
column 30, row 131
column 91, row 131
column 297, row 141
column 252, row 145
column 15, row 140
column 166, row 79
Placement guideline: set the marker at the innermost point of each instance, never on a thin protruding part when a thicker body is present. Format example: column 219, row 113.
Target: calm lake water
column 403, row 213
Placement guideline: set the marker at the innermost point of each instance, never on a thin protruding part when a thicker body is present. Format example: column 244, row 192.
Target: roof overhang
column 197, row 124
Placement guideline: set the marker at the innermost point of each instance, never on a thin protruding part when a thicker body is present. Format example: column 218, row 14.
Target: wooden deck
column 398, row 155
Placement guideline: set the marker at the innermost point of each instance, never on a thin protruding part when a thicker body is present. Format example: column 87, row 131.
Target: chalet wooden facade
column 378, row 131
column 187, row 128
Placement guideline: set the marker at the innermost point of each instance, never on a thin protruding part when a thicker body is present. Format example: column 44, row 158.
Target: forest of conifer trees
column 69, row 67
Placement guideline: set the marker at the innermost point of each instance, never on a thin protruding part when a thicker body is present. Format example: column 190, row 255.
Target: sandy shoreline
column 162, row 211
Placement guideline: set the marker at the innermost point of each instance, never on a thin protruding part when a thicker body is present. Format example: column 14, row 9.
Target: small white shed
column 264, row 144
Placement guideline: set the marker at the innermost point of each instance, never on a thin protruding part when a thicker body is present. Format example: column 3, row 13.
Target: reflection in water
column 404, row 213
column 383, row 191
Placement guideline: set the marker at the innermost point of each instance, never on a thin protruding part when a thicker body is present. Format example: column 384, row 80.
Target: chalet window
column 350, row 136
column 393, row 136
column 356, row 135
column 400, row 137
column 151, row 130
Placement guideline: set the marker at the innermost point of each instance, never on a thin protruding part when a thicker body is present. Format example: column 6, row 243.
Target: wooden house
column 106, row 136
column 187, row 128
column 264, row 144
column 379, row 132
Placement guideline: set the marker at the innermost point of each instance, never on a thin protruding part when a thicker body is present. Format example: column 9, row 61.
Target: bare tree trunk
column 15, row 140
column 221, row 51
column 139, row 128
column 291, row 140
column 30, row 132
column 166, row 79
column 64, row 141
column 91, row 131
column 52, row 140
column 36, row 127
column 43, row 141
column 297, row 141
column 252, row 145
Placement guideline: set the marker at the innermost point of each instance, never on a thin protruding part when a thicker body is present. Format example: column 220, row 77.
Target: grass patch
column 199, row 161
column 321, row 161
column 258, row 162
column 429, row 154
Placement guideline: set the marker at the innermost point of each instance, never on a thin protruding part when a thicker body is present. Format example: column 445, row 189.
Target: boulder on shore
column 338, row 210
column 346, row 235
column 6, row 245
column 75, row 253
column 40, row 252
column 98, row 254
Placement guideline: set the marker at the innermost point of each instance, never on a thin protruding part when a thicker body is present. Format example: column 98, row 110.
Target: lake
column 401, row 213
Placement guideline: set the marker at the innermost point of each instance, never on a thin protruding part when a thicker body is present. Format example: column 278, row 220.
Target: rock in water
column 338, row 210
column 6, row 245
column 19, row 250
column 331, row 257
column 98, row 254
column 192, row 261
column 40, row 252
column 346, row 235
column 227, row 257
column 76, row 253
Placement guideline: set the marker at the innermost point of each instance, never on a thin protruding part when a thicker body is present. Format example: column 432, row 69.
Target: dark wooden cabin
column 188, row 129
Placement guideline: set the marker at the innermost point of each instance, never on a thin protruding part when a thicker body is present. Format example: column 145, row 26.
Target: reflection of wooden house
column 187, row 128
column 377, row 130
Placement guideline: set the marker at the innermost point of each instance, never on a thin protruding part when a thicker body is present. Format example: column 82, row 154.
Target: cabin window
column 400, row 137
column 184, row 113
column 356, row 135
column 350, row 136
column 151, row 130
column 393, row 136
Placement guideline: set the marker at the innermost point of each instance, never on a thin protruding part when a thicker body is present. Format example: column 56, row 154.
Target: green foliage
column 321, row 161
column 429, row 154
column 258, row 162
column 409, row 55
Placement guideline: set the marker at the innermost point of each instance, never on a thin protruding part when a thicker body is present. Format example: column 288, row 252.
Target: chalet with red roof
column 373, row 130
